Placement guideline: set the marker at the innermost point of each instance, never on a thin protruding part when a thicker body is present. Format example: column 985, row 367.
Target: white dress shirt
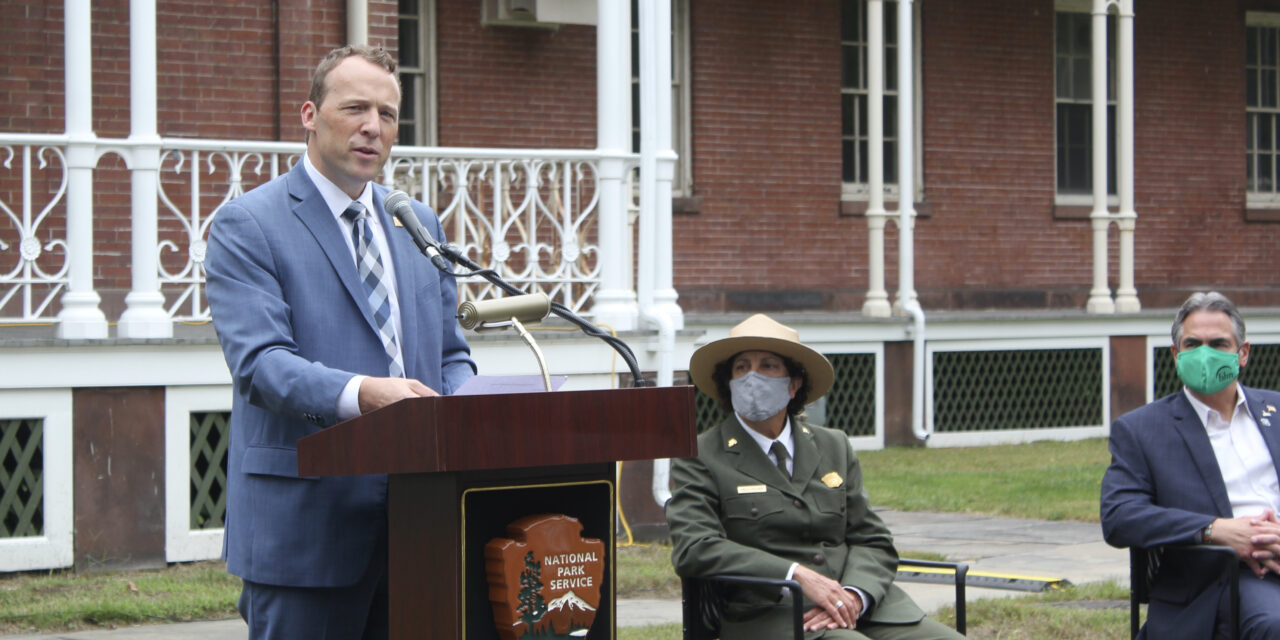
column 338, row 201
column 1243, row 457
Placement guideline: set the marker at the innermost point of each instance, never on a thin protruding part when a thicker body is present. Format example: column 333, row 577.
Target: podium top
column 467, row 433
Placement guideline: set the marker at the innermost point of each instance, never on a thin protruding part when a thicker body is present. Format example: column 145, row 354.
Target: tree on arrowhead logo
column 545, row 579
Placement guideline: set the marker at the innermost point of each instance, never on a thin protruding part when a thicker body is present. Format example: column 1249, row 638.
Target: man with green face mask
column 1200, row 467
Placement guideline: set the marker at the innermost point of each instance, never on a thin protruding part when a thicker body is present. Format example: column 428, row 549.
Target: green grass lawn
column 1052, row 480
column 1043, row 480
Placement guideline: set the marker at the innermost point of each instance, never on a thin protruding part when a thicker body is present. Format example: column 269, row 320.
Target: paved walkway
column 1072, row 551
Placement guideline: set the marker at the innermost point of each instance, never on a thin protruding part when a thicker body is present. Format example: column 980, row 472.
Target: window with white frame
column 681, row 141
column 416, row 68
column 1073, row 98
column 854, row 92
column 1262, row 107
column 854, row 134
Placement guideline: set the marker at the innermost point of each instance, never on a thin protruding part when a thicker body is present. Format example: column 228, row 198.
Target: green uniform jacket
column 733, row 512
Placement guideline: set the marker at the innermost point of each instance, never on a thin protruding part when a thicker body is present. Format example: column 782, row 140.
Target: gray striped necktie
column 369, row 264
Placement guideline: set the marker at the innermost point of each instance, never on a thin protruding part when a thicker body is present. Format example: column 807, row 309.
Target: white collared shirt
column 766, row 443
column 1243, row 457
column 338, row 201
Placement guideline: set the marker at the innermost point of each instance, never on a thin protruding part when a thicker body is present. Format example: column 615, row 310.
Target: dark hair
column 375, row 55
column 723, row 373
column 1211, row 301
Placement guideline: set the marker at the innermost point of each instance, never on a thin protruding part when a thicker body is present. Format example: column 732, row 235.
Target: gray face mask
column 758, row 397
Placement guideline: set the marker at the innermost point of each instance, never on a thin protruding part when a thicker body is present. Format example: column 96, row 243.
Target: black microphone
column 399, row 204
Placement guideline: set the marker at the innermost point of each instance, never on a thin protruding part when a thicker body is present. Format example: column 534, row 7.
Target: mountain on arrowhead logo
column 569, row 602
column 545, row 579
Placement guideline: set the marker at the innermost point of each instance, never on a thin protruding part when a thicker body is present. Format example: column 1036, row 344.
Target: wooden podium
column 462, row 467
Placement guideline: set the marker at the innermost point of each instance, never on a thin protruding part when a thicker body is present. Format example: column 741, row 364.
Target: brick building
column 772, row 204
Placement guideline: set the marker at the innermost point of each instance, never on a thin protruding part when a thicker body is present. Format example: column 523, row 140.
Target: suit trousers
column 357, row 612
column 1259, row 607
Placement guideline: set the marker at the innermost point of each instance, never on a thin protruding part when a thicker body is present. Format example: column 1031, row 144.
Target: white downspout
column 357, row 22
column 657, row 167
column 906, row 212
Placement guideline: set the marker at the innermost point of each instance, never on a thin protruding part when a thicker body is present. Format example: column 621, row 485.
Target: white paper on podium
column 486, row 385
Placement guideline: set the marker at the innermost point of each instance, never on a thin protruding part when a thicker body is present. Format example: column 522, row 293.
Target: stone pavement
column 1073, row 551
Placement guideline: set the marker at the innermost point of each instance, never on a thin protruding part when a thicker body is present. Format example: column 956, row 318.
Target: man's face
column 1212, row 328
column 352, row 129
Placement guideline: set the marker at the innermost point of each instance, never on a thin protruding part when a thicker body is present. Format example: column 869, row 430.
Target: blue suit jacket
column 1164, row 486
column 293, row 321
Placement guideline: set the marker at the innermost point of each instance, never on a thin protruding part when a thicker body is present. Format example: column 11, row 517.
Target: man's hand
column 1255, row 539
column 1266, row 542
column 376, row 393
column 837, row 608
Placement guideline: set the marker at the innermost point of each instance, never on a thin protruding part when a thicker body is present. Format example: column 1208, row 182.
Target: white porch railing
column 530, row 215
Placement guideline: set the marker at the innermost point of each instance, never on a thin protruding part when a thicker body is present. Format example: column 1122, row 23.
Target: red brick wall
column 766, row 121
column 514, row 86
column 766, row 146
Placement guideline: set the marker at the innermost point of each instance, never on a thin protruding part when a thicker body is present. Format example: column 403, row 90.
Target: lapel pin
column 733, row 442
column 1265, row 422
column 1271, row 408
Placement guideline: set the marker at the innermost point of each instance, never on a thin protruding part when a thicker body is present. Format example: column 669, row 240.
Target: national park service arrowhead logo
column 544, row 581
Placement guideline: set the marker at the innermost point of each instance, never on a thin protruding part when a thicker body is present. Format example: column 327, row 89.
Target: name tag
column 751, row 488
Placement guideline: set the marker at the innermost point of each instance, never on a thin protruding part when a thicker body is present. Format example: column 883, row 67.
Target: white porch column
column 655, row 286
column 1100, row 296
column 906, row 159
column 615, row 303
column 144, row 315
column 1126, row 293
column 357, row 21
column 877, row 303
column 80, row 317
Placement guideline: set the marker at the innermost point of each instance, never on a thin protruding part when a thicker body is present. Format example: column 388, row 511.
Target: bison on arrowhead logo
column 544, row 581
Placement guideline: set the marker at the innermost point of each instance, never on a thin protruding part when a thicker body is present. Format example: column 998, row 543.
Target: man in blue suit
column 1201, row 466
column 324, row 310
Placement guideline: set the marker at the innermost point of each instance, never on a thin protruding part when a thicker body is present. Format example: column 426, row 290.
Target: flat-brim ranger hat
column 761, row 333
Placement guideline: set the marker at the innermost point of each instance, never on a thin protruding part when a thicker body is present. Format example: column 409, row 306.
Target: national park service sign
column 544, row 581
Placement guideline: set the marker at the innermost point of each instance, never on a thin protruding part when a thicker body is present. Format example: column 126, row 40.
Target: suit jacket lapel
column 746, row 454
column 807, row 454
column 1189, row 426
column 311, row 209
column 403, row 258
column 1262, row 414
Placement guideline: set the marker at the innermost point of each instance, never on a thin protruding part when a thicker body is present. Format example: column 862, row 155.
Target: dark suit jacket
column 1164, row 486
column 733, row 512
column 294, row 325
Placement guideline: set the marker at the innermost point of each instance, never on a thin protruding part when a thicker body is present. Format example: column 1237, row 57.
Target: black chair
column 703, row 599
column 1144, row 564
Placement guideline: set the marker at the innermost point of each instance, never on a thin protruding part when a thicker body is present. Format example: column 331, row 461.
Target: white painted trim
column 155, row 365
column 181, row 544
column 1001, row 436
column 1262, row 19
column 1019, row 436
column 56, row 547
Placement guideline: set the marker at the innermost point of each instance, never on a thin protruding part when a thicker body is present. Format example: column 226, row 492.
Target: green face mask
column 1206, row 370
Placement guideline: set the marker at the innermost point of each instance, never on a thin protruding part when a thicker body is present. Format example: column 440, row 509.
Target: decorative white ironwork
column 529, row 215
column 181, row 250
column 28, row 289
column 530, row 219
